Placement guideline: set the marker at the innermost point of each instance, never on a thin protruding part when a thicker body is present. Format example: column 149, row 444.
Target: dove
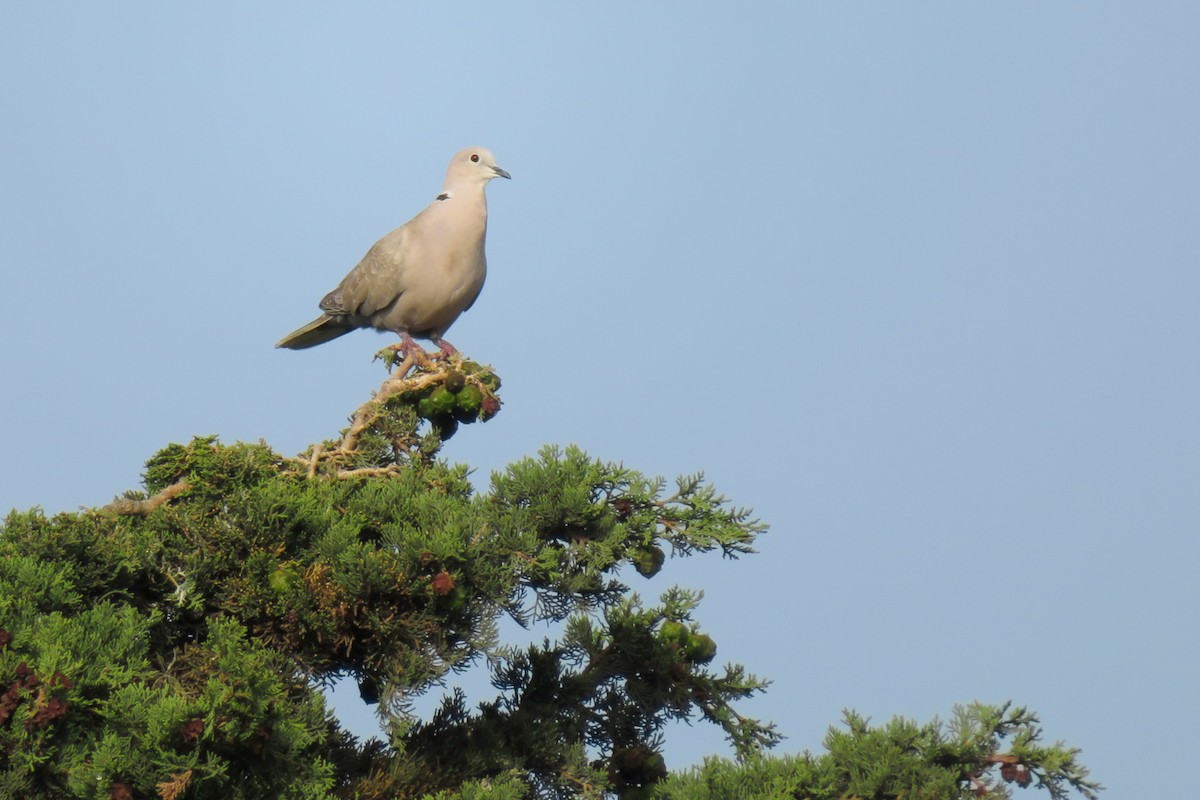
column 419, row 278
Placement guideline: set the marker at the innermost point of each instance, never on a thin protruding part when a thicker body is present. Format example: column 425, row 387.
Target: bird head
column 473, row 165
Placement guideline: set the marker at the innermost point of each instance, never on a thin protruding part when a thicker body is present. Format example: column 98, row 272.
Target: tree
column 174, row 643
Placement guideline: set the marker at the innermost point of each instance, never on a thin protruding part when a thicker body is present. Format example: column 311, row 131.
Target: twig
column 366, row 471
column 366, row 412
column 429, row 372
column 129, row 506
column 312, row 463
column 396, row 382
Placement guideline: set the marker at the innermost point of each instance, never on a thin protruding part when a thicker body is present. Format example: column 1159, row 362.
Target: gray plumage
column 419, row 278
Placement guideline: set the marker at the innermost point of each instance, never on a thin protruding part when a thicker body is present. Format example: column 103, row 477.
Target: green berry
column 649, row 560
column 700, row 648
column 282, row 578
column 441, row 402
column 468, row 399
column 673, row 632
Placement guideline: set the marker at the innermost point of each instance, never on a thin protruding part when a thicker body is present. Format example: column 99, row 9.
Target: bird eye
column 475, row 158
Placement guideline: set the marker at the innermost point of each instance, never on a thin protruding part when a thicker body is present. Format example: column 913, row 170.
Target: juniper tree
column 175, row 643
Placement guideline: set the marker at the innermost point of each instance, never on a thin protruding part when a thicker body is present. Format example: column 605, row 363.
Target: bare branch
column 129, row 507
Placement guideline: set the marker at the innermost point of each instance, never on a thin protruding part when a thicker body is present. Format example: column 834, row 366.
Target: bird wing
column 375, row 283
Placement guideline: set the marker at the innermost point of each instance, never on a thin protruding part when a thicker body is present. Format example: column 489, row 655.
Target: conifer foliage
column 174, row 643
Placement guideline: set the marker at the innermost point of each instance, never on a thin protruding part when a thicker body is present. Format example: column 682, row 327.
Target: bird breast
column 437, row 284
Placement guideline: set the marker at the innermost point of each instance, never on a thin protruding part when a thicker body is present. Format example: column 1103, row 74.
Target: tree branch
column 130, row 507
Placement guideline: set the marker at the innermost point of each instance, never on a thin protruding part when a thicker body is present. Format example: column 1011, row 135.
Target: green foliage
column 589, row 517
column 962, row 759
column 611, row 683
column 174, row 643
column 87, row 712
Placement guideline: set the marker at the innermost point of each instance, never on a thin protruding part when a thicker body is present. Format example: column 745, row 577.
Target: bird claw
column 408, row 351
column 406, row 347
column 406, row 354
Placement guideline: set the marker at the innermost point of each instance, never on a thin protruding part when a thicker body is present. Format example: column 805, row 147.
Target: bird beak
column 501, row 173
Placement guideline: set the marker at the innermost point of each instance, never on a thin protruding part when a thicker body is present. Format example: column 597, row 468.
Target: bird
column 419, row 278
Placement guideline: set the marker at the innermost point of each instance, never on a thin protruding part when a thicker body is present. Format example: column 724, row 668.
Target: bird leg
column 407, row 355
column 408, row 348
column 412, row 351
column 446, row 348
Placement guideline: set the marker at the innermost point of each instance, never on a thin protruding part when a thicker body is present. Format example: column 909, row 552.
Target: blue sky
column 918, row 282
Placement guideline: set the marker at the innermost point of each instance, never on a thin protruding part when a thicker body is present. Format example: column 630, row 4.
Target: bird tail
column 319, row 331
